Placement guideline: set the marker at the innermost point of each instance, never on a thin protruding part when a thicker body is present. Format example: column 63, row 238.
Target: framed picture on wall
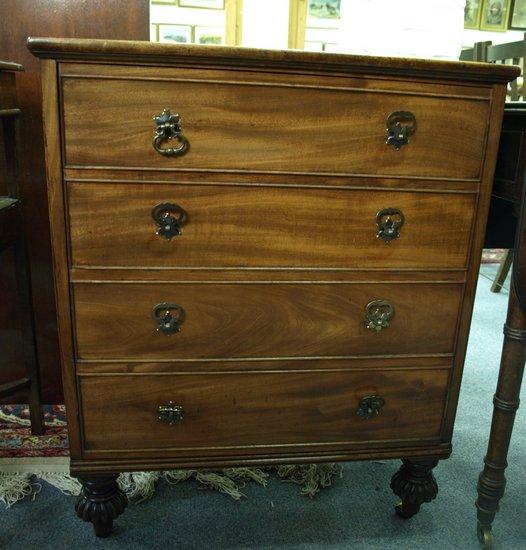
column 324, row 9
column 495, row 15
column 209, row 35
column 472, row 11
column 180, row 34
column 209, row 4
column 518, row 15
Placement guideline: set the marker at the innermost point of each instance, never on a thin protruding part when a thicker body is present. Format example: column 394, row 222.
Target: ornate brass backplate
column 170, row 413
column 378, row 314
column 369, row 406
column 389, row 222
column 400, row 126
column 169, row 317
column 167, row 128
column 170, row 218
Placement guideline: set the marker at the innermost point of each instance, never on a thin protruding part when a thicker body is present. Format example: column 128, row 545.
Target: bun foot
column 100, row 502
column 406, row 510
column 415, row 484
column 103, row 529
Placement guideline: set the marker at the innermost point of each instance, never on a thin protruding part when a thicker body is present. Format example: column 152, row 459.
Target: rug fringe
column 139, row 486
column 212, row 480
column 14, row 487
column 63, row 482
column 312, row 477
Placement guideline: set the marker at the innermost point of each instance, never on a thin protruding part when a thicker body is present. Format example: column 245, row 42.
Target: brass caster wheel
column 485, row 537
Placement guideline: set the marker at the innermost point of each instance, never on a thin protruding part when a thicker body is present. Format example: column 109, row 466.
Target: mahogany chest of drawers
column 263, row 257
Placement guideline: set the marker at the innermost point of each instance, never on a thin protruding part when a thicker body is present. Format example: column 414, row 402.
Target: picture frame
column 209, row 35
column 518, row 15
column 313, row 46
column 324, row 9
column 472, row 14
column 175, row 34
column 206, row 4
column 495, row 15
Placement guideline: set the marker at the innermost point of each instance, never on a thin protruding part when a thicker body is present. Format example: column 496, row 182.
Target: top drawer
column 271, row 126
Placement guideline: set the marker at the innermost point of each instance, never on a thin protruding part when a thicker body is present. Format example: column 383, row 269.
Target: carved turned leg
column 415, row 484
column 492, row 480
column 100, row 502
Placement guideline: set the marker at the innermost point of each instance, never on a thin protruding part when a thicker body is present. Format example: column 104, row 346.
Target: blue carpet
column 357, row 512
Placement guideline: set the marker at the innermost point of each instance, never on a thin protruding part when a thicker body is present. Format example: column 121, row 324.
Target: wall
column 265, row 23
column 406, row 28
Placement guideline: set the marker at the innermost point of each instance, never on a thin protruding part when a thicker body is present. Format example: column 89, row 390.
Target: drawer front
column 246, row 410
column 277, row 128
column 205, row 320
column 234, row 226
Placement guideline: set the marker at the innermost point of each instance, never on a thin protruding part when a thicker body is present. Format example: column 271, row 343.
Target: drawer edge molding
column 426, row 185
column 402, row 363
column 253, row 359
column 64, row 76
column 68, row 166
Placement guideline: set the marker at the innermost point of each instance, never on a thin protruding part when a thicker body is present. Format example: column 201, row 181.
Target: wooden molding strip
column 147, row 52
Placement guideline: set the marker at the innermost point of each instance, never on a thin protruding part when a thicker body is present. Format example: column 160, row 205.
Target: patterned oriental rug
column 26, row 459
column 16, row 440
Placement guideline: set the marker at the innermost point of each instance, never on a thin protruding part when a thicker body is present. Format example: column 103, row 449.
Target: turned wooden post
column 492, row 480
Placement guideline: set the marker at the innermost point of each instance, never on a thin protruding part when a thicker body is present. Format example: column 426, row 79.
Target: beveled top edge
column 10, row 66
column 176, row 54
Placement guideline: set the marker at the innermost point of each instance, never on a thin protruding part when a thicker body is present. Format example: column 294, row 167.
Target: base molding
column 80, row 467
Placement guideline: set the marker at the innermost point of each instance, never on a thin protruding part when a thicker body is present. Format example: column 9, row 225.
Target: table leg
column 492, row 480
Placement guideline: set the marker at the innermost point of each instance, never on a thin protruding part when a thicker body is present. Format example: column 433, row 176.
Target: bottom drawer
column 257, row 411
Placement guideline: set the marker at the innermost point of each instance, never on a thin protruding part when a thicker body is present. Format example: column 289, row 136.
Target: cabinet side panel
column 57, row 218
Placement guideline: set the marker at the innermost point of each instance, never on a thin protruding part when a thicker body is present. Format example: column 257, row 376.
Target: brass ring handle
column 169, row 217
column 369, row 406
column 378, row 315
column 168, row 317
column 389, row 222
column 170, row 413
column 168, row 127
column 400, row 125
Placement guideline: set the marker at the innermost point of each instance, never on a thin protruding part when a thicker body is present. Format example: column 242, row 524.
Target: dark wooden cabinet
column 263, row 257
column 119, row 19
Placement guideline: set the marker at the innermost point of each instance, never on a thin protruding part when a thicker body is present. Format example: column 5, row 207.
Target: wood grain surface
column 265, row 226
column 239, row 410
column 114, row 321
column 272, row 128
